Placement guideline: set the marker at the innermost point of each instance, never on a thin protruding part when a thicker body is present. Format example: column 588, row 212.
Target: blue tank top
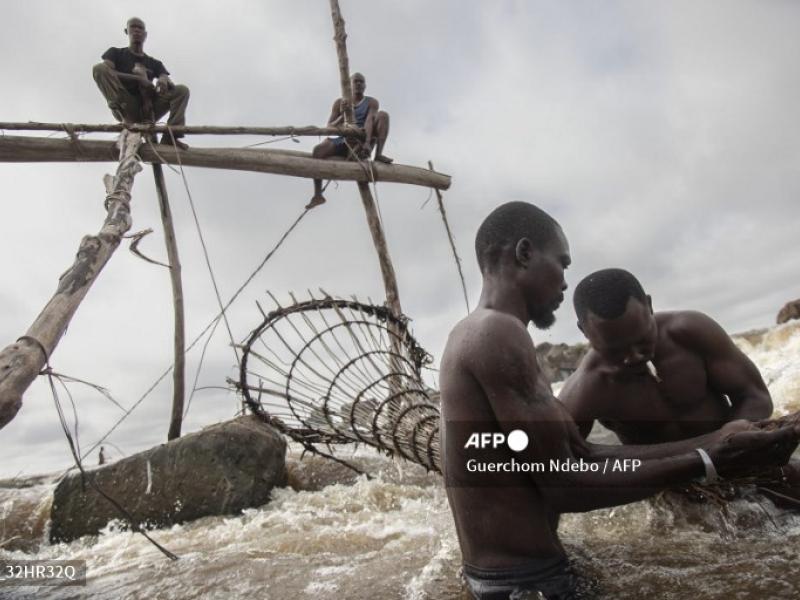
column 360, row 111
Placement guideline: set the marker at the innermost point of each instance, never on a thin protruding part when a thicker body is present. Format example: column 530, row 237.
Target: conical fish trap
column 332, row 370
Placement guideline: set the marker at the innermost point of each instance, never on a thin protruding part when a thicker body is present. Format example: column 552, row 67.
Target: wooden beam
column 22, row 361
column 179, row 338
column 280, row 162
column 290, row 130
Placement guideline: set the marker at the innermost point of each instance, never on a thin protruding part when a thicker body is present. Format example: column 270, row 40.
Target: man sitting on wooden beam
column 125, row 78
column 368, row 117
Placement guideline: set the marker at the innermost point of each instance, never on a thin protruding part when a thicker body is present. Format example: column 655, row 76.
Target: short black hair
column 506, row 225
column 605, row 293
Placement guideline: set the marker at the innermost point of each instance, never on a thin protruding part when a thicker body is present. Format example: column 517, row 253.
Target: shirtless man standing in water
column 491, row 384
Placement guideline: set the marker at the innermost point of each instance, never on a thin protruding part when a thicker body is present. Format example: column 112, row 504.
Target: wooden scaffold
column 24, row 359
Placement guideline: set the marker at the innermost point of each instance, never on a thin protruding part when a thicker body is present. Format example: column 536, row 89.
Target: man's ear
column 649, row 303
column 524, row 251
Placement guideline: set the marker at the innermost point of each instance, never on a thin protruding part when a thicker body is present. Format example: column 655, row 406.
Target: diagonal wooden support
column 21, row 361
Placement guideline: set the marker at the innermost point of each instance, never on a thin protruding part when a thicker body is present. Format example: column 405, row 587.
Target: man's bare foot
column 363, row 152
column 316, row 201
column 384, row 159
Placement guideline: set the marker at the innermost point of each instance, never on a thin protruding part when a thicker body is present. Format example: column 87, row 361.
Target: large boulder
column 221, row 469
column 790, row 310
column 559, row 361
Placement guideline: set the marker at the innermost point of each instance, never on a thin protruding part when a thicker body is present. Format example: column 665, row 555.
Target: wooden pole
column 379, row 240
column 340, row 39
column 374, row 222
column 179, row 345
column 281, row 162
column 72, row 129
column 21, row 361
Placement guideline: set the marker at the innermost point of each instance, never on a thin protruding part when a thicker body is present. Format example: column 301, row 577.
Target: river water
column 393, row 536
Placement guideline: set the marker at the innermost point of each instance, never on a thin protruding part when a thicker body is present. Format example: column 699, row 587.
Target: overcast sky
column 662, row 135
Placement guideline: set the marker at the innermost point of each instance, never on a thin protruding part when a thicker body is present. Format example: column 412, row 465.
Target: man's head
column 616, row 316
column 522, row 245
column 135, row 30
column 359, row 83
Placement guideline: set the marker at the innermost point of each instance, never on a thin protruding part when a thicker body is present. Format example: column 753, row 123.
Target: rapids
column 393, row 536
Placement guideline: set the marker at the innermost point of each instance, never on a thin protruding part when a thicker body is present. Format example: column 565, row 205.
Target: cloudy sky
column 662, row 135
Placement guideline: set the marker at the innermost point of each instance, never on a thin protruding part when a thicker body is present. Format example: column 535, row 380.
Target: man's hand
column 733, row 427
column 163, row 84
column 140, row 72
column 747, row 450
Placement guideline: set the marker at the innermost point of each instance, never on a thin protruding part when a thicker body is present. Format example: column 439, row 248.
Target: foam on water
column 393, row 537
column 777, row 356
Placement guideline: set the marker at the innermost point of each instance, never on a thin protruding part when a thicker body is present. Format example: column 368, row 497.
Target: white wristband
column 711, row 473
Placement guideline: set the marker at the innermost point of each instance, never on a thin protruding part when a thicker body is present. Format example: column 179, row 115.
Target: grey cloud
column 663, row 137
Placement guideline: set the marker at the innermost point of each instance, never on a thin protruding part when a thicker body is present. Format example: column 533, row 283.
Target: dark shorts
column 542, row 579
column 340, row 146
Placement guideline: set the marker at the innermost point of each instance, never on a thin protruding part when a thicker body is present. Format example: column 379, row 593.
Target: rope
column 202, row 333
column 440, row 200
column 203, row 244
column 368, row 171
column 281, row 139
column 75, row 449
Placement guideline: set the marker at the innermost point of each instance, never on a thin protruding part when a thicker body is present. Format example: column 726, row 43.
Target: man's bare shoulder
column 692, row 329
column 487, row 324
column 585, row 385
column 486, row 336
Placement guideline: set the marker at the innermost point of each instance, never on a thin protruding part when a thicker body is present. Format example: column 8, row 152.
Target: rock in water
column 559, row 361
column 221, row 469
column 790, row 310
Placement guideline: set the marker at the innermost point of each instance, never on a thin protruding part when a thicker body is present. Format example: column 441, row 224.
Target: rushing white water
column 393, row 536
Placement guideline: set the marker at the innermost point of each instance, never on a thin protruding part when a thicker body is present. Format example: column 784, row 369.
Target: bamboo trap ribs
column 331, row 370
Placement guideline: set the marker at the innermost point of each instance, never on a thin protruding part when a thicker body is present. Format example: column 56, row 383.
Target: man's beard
column 544, row 319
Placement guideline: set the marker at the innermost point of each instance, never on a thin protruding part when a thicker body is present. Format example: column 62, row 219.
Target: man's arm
column 336, row 114
column 163, row 82
column 578, row 395
column 666, row 449
column 503, row 360
column 372, row 107
column 729, row 370
column 142, row 80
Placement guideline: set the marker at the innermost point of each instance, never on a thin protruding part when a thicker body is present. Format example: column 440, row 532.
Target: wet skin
column 489, row 375
column 705, row 380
